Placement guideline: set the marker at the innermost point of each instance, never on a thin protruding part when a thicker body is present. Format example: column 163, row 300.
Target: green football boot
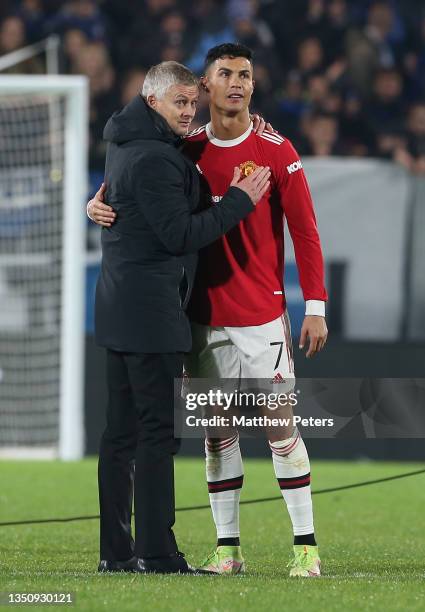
column 306, row 562
column 225, row 560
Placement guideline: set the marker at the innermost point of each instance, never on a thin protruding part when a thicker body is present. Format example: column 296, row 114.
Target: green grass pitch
column 371, row 542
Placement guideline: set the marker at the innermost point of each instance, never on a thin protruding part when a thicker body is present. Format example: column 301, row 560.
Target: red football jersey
column 240, row 276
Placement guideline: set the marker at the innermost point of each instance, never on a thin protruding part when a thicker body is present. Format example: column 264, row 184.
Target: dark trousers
column 136, row 454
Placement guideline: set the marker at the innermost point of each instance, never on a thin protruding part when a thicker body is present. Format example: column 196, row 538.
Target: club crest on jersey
column 247, row 168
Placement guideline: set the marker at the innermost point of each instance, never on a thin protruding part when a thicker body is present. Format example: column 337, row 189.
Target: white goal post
column 43, row 190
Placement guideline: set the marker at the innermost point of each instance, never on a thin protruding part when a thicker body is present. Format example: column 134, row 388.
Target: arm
column 298, row 208
column 166, row 208
column 253, row 186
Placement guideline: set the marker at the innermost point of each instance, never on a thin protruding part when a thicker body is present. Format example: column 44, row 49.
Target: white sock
column 292, row 469
column 225, row 478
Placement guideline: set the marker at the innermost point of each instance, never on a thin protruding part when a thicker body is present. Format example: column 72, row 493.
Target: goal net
column 43, row 167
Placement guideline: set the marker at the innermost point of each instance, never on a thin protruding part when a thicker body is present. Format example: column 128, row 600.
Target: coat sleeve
column 160, row 193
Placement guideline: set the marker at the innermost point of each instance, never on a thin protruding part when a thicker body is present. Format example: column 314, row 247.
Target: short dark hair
column 227, row 50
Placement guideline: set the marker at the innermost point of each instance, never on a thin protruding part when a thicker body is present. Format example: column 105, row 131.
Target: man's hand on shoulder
column 314, row 328
column 255, row 184
column 98, row 211
column 259, row 124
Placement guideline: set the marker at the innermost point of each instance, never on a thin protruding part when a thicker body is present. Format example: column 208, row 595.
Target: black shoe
column 118, row 566
column 173, row 564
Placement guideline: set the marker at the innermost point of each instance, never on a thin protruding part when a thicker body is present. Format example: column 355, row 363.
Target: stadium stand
column 339, row 77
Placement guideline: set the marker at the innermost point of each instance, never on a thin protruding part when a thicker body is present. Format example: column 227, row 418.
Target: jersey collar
column 227, row 143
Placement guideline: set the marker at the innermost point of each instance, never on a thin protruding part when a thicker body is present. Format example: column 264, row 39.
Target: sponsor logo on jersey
column 294, row 167
column 247, row 168
column 216, row 199
column 199, row 169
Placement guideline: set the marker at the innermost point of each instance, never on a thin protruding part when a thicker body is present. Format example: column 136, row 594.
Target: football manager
column 148, row 265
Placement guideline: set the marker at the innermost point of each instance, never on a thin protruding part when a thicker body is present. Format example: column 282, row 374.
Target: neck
column 227, row 127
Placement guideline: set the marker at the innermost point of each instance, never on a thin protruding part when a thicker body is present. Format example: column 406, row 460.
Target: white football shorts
column 253, row 352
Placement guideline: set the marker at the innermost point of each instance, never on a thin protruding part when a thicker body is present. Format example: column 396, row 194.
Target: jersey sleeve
column 297, row 205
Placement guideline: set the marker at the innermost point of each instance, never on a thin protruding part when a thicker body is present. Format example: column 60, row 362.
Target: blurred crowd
column 338, row 77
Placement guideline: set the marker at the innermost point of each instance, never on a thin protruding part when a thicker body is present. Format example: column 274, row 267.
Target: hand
column 255, row 184
column 101, row 213
column 403, row 157
column 314, row 327
column 259, row 124
column 419, row 165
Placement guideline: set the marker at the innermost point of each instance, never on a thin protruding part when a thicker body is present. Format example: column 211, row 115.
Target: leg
column 152, row 381
column 213, row 356
column 292, row 469
column 225, row 479
column 116, row 462
column 266, row 353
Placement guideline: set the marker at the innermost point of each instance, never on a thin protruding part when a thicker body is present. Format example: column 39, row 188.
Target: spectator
column 310, row 57
column 317, row 89
column 249, row 28
column 335, row 29
column 264, row 97
column 73, row 41
column 356, row 133
column 314, row 21
column 415, row 60
column 5, row 8
column 79, row 14
column 33, row 16
column 385, row 111
column 209, row 20
column 291, row 106
column 93, row 61
column 372, row 48
column 412, row 154
column 360, row 64
column 12, row 38
column 161, row 25
column 321, row 131
column 131, row 85
column 148, row 19
column 174, row 32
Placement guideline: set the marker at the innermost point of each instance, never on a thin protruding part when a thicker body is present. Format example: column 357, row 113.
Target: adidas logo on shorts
column 278, row 379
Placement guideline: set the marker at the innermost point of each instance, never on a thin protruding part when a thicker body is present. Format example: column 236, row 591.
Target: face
column 318, row 88
column 132, row 85
column 12, row 34
column 388, row 86
column 381, row 16
column 416, row 120
column 177, row 106
column 74, row 41
column 325, row 130
column 310, row 54
column 229, row 84
column 337, row 9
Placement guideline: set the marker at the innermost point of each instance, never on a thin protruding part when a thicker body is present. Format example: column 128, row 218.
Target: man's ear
column 204, row 83
column 253, row 84
column 152, row 101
